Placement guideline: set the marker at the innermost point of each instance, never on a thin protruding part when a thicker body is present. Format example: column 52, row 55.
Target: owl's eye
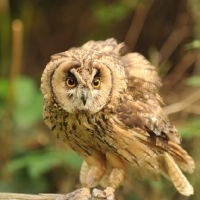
column 96, row 83
column 71, row 82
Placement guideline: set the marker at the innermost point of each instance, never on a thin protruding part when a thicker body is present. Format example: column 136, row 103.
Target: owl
column 105, row 106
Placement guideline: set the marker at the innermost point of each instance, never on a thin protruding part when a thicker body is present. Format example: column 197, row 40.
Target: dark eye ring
column 96, row 83
column 70, row 82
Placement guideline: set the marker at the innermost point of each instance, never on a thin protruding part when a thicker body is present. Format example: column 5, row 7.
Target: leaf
column 193, row 81
column 193, row 45
column 16, row 164
column 40, row 162
column 105, row 14
column 72, row 159
column 4, row 85
column 28, row 103
column 190, row 129
column 4, row 88
column 25, row 91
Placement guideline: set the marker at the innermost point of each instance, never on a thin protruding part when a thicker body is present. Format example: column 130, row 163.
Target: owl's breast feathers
column 81, row 132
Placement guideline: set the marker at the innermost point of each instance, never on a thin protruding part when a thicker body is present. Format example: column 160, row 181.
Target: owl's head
column 83, row 81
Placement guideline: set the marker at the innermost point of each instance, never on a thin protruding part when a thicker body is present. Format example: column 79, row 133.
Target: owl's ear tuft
column 58, row 56
column 55, row 57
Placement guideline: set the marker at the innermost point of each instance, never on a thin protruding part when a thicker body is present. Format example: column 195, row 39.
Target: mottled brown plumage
column 106, row 107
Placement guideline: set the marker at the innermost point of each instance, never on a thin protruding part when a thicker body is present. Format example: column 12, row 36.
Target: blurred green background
column 166, row 32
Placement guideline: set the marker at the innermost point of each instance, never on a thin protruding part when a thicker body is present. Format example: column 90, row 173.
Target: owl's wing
column 141, row 110
column 142, row 105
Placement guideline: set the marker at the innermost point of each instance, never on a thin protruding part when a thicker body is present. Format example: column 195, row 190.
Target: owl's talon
column 107, row 194
column 79, row 194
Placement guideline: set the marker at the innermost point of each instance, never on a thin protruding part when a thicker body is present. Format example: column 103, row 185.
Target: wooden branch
column 82, row 194
column 137, row 24
column 186, row 61
column 175, row 38
column 185, row 103
column 193, row 109
column 17, row 196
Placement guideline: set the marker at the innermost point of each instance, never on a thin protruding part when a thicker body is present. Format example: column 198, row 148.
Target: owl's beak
column 84, row 96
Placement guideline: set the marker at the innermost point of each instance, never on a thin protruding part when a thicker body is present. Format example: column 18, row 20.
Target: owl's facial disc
column 81, row 87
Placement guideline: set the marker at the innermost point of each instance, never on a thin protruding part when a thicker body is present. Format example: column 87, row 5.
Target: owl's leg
column 116, row 177
column 84, row 172
column 93, row 169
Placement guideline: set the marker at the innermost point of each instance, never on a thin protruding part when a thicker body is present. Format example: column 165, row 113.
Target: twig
column 187, row 60
column 173, row 41
column 193, row 109
column 137, row 24
column 177, row 107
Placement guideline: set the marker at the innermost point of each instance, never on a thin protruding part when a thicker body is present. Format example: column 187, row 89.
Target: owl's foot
column 79, row 194
column 107, row 194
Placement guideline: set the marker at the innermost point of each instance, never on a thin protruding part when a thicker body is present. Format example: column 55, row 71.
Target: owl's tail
column 181, row 157
column 179, row 180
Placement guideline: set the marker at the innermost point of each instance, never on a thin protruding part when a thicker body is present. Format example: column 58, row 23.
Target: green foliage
column 190, row 129
column 30, row 170
column 40, row 162
column 193, row 45
column 4, row 85
column 27, row 100
column 106, row 14
column 3, row 89
column 21, row 182
column 193, row 81
column 28, row 103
